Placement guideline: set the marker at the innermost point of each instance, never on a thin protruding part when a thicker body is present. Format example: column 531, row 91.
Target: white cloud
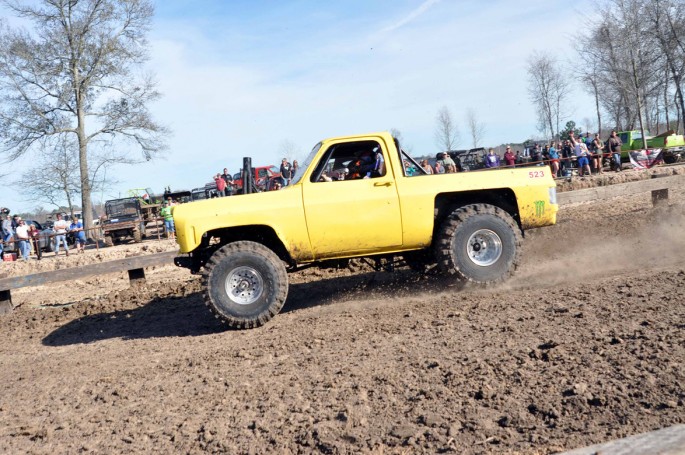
column 427, row 4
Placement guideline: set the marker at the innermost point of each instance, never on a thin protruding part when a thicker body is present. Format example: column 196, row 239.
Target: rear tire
column 479, row 243
column 245, row 284
column 108, row 241
column 137, row 236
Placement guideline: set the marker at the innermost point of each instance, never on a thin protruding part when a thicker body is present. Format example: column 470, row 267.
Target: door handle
column 382, row 184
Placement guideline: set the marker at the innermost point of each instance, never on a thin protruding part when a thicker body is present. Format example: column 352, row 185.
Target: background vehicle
column 467, row 226
column 468, row 160
column 123, row 219
column 198, row 194
column 178, row 196
column 672, row 144
column 264, row 176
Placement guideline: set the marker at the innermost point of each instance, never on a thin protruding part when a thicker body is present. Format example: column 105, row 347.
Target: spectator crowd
column 587, row 155
column 24, row 239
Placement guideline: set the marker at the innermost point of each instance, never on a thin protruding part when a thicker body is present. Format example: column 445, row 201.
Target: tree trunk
column 86, row 204
column 666, row 113
column 681, row 102
column 639, row 99
column 599, row 113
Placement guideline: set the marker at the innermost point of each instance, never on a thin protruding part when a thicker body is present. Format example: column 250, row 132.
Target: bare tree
column 75, row 74
column 446, row 131
column 623, row 66
column 289, row 149
column 590, row 78
column 667, row 18
column 476, row 127
column 548, row 88
column 54, row 178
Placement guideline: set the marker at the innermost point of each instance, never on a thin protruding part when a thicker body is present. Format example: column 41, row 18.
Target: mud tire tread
column 448, row 264
column 279, row 283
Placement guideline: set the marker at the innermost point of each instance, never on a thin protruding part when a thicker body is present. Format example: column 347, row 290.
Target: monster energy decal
column 539, row 208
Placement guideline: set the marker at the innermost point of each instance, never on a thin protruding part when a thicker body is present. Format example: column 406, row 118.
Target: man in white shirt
column 61, row 228
column 22, row 232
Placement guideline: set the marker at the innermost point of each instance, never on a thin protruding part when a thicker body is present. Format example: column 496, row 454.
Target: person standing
column 79, row 234
column 7, row 231
column 536, row 156
column 615, row 150
column 60, row 228
column 553, row 160
column 167, row 214
column 34, row 235
column 492, row 159
column 597, row 148
column 228, row 178
column 296, row 167
column 582, row 155
column 23, row 239
column 448, row 163
column 566, row 154
column 425, row 165
column 220, row 185
column 509, row 157
column 286, row 172
column 439, row 168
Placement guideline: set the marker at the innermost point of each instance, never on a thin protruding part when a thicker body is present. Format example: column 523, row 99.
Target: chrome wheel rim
column 484, row 247
column 244, row 285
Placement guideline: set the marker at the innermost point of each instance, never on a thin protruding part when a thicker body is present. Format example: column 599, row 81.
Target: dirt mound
column 612, row 178
column 585, row 344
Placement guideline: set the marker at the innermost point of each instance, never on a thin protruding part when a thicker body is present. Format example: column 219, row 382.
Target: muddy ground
column 584, row 345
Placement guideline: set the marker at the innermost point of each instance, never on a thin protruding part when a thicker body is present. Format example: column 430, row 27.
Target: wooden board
column 667, row 441
column 74, row 273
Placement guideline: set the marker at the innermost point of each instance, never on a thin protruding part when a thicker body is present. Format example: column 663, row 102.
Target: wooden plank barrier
column 658, row 185
column 667, row 441
column 135, row 265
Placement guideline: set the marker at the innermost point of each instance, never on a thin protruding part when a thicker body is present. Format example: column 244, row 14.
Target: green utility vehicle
column 672, row 144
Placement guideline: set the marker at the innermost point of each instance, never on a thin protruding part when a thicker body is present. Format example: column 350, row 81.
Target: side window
column 624, row 137
column 262, row 173
column 351, row 161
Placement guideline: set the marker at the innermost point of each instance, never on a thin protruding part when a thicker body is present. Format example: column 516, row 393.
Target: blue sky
column 241, row 78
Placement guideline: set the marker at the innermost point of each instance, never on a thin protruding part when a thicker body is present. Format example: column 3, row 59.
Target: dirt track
column 584, row 345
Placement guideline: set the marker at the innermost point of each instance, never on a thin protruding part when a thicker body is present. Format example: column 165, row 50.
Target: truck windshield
column 305, row 164
column 121, row 207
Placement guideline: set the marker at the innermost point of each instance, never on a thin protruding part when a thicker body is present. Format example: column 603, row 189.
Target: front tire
column 479, row 243
column 245, row 284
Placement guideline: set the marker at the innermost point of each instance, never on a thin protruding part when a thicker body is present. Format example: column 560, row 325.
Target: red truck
column 264, row 176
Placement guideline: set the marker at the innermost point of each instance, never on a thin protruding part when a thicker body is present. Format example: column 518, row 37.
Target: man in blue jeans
column 60, row 228
column 615, row 150
column 23, row 239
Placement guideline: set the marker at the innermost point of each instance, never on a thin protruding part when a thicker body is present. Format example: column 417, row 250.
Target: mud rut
column 584, row 345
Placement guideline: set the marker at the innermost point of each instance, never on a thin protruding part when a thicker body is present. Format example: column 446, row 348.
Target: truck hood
column 272, row 208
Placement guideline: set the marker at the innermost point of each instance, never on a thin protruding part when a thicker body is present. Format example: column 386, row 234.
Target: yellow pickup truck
column 354, row 197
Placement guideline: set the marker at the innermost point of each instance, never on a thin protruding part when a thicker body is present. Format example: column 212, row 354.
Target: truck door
column 351, row 202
